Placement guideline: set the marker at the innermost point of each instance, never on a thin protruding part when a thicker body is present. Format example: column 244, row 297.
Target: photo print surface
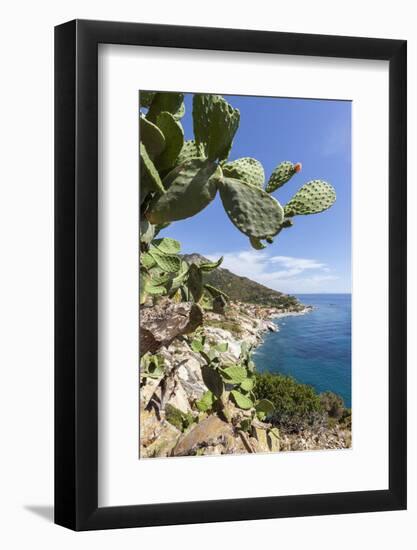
column 245, row 274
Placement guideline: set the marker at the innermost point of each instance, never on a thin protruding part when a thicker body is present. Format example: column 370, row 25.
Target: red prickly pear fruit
column 297, row 167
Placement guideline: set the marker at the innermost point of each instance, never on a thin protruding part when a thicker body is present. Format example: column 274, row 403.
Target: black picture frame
column 76, row 271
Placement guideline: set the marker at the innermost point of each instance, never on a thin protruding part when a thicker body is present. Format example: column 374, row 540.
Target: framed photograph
column 230, row 247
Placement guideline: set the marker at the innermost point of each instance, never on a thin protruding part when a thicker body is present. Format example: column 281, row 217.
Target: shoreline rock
column 181, row 385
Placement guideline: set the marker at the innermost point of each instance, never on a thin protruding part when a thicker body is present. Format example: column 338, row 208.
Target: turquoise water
column 314, row 348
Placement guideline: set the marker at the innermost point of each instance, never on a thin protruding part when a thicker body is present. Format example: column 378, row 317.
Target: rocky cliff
column 171, row 423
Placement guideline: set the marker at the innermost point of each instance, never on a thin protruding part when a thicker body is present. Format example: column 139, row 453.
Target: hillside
column 243, row 289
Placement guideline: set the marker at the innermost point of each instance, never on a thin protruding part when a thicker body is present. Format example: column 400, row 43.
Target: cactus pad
column 191, row 187
column 147, row 231
column 146, row 260
column 251, row 210
column 247, row 384
column 142, row 292
column 215, row 124
column 164, row 101
column 265, row 407
column 160, row 277
column 167, row 245
column 314, row 197
column 234, row 374
column 212, row 380
column 206, row 402
column 257, row 244
column 195, row 282
column 145, row 99
column 215, row 292
column 180, row 113
column 210, row 266
column 179, row 279
column 281, row 174
column 149, row 177
column 246, row 169
column 241, row 400
column 174, row 137
column 155, row 290
column 152, row 137
column 190, row 151
column 166, row 262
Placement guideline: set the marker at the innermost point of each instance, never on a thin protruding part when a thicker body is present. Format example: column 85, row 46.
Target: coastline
column 270, row 326
column 177, row 389
column 254, row 321
column 314, row 349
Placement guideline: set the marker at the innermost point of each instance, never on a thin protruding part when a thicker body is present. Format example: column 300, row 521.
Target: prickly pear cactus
column 151, row 137
column 190, row 188
column 190, row 151
column 180, row 112
column 246, row 169
column 154, row 290
column 145, row 99
column 212, row 380
column 147, row 261
column 251, row 210
column 147, row 232
column 149, row 177
column 167, row 262
column 171, row 102
column 174, row 136
column 241, row 400
column 282, row 173
column 215, row 124
column 234, row 374
column 210, row 266
column 167, row 245
column 180, row 279
column 264, row 408
column 195, row 282
column 180, row 178
column 257, row 244
column 160, row 277
column 314, row 197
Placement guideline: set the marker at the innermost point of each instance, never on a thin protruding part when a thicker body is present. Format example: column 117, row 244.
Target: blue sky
column 314, row 255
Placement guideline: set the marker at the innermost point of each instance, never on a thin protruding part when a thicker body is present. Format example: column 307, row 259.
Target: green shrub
column 297, row 406
column 178, row 418
column 333, row 404
column 346, row 419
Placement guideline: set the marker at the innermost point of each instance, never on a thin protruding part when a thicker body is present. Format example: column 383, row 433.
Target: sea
column 314, row 348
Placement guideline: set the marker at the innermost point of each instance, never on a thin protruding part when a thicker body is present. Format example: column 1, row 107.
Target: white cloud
column 297, row 263
column 283, row 273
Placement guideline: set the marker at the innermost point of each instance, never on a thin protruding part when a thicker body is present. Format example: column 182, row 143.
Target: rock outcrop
column 161, row 324
column 170, row 422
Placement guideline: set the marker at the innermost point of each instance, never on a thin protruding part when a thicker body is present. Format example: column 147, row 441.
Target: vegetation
column 179, row 178
column 177, row 418
column 243, row 289
column 229, row 382
column 333, row 404
column 163, row 272
column 298, row 406
column 152, row 366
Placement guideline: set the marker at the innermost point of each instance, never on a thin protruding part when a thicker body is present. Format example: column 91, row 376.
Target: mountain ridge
column 243, row 289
